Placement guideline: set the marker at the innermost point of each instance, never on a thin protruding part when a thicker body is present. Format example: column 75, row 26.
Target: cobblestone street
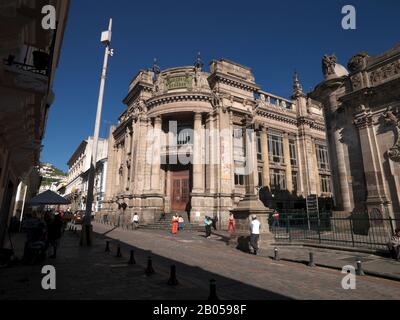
column 84, row 273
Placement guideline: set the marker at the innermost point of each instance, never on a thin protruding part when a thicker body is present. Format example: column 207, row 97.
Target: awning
column 47, row 198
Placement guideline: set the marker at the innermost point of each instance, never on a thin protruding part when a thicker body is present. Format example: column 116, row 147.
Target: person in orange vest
column 175, row 222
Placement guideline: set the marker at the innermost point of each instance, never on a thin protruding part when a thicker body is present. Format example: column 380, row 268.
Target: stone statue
column 356, row 63
column 392, row 118
column 328, row 64
column 198, row 65
column 156, row 70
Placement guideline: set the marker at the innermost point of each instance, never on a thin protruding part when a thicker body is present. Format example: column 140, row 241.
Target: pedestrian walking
column 275, row 219
column 231, row 222
column 163, row 216
column 135, row 221
column 255, row 227
column 181, row 223
column 175, row 222
column 214, row 221
column 207, row 225
column 394, row 245
column 54, row 233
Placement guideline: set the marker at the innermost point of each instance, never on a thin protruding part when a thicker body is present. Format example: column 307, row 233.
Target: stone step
column 167, row 226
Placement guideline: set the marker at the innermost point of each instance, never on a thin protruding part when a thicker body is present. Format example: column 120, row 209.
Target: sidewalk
column 91, row 273
column 372, row 265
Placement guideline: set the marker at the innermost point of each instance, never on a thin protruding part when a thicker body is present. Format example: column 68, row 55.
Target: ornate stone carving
column 363, row 118
column 328, row 64
column 217, row 100
column 386, row 72
column 392, row 118
column 356, row 63
column 356, row 81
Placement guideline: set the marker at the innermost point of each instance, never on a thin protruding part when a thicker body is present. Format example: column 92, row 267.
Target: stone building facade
column 180, row 144
column 29, row 57
column 75, row 185
column 362, row 108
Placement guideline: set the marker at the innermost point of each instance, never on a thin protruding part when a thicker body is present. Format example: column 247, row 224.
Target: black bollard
column 276, row 254
column 360, row 271
column 173, row 281
column 107, row 246
column 213, row 291
column 149, row 270
column 311, row 262
column 132, row 258
column 119, row 254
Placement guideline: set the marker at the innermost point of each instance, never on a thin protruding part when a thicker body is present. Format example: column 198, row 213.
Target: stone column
column 372, row 166
column 141, row 155
column 156, row 163
column 148, row 156
column 342, row 171
column 210, row 151
column 316, row 170
column 198, row 166
column 286, row 155
column 265, row 157
column 251, row 204
column 300, row 165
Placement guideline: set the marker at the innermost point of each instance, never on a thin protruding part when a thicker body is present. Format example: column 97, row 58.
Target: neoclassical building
column 362, row 108
column 180, row 145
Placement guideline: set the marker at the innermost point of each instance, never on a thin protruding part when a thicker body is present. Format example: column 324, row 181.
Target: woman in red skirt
column 231, row 224
column 175, row 221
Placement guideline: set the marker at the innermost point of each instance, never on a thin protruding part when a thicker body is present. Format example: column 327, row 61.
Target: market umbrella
column 47, row 198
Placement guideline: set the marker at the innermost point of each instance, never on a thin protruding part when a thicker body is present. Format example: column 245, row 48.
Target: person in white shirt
column 135, row 221
column 255, row 227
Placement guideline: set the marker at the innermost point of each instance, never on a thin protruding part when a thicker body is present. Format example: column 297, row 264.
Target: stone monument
column 251, row 204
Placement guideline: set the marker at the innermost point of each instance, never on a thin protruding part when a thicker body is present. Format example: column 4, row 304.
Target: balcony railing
column 10, row 61
column 184, row 149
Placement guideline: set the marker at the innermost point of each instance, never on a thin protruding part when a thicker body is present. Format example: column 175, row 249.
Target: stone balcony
column 184, row 150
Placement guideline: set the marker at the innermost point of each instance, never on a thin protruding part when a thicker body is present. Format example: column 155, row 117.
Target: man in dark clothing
column 214, row 222
column 54, row 233
column 207, row 224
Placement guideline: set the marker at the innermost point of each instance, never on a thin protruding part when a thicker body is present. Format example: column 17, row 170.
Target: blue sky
column 272, row 37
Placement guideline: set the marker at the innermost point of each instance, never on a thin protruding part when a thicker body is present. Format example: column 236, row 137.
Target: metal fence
column 371, row 233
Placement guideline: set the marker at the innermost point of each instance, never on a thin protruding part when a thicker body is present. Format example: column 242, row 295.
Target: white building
column 76, row 183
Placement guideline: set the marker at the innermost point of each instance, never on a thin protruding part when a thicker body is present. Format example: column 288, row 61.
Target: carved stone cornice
column 276, row 116
column 179, row 97
column 312, row 123
column 231, row 81
column 363, row 118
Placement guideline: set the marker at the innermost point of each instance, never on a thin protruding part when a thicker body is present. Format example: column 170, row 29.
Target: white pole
column 23, row 208
column 87, row 228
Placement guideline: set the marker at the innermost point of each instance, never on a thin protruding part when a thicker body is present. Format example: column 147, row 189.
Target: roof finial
column 297, row 87
column 156, row 69
column 199, row 63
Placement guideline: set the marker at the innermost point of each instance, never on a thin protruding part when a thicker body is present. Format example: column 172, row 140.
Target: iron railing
column 366, row 232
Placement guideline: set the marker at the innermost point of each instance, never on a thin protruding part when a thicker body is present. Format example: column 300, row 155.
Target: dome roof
column 341, row 71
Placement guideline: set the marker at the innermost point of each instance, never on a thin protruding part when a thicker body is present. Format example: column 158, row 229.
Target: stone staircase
column 167, row 225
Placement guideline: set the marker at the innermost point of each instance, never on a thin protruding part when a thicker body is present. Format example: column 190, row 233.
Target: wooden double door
column 180, row 190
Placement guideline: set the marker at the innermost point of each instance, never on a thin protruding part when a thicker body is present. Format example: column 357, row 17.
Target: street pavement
column 91, row 273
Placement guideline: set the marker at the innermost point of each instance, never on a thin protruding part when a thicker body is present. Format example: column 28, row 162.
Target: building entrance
column 180, row 190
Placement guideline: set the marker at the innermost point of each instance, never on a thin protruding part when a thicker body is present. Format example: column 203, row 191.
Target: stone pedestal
column 249, row 206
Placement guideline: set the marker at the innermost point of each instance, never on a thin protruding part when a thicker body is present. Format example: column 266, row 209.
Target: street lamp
column 86, row 234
